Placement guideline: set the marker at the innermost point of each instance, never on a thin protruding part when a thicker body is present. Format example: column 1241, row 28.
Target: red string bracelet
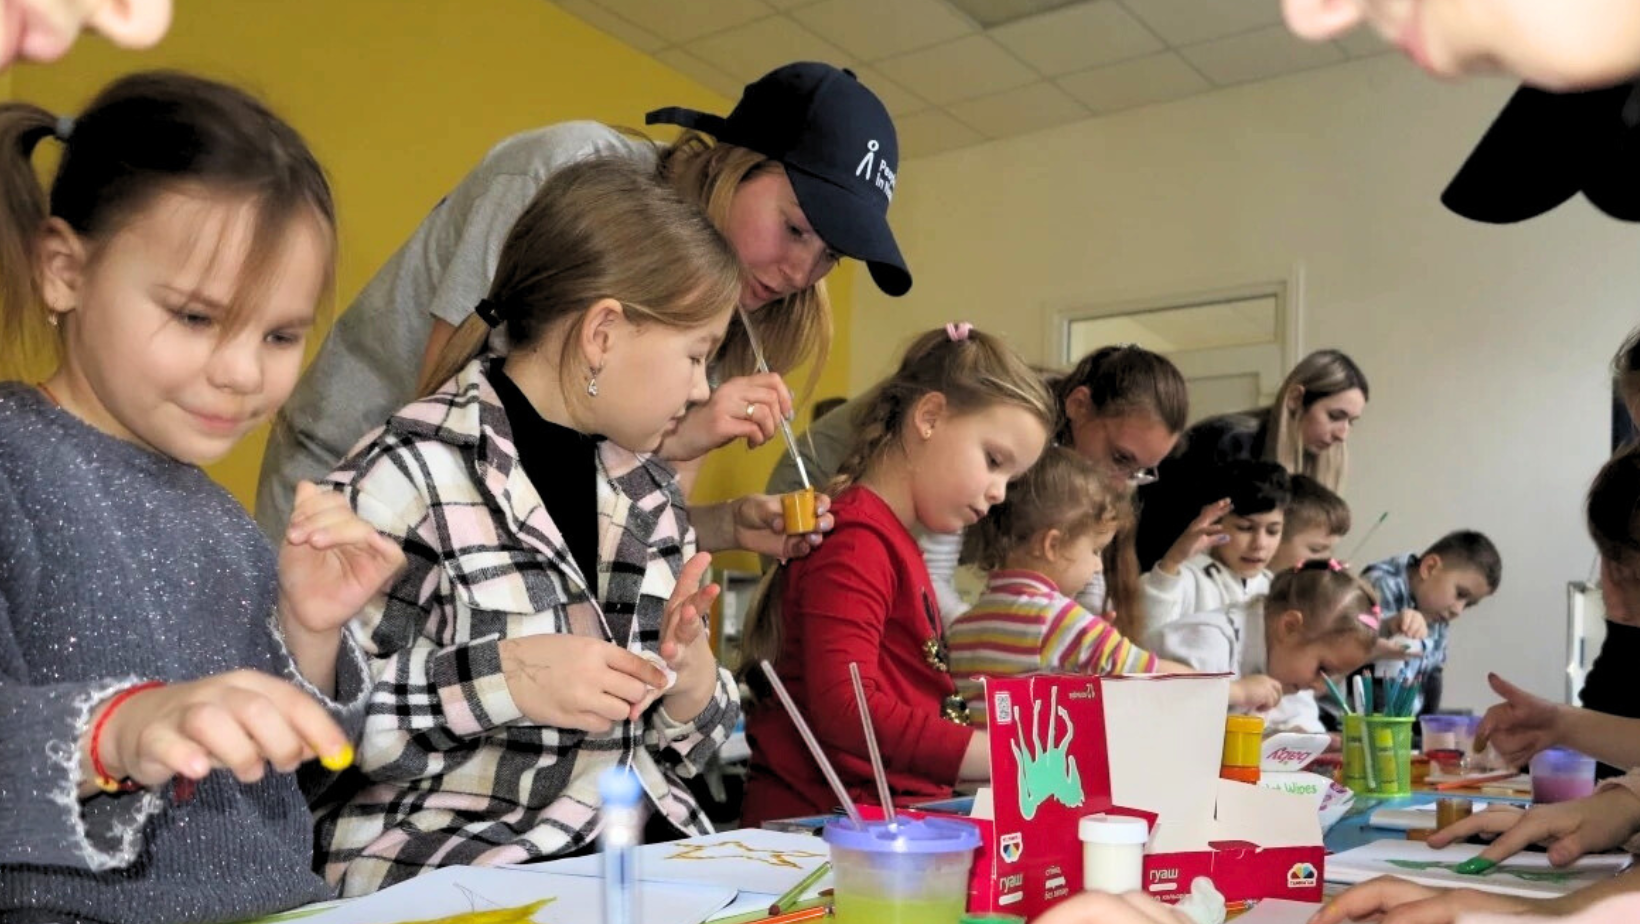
column 105, row 782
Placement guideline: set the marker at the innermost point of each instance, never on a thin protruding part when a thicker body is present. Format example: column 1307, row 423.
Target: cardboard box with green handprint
column 1063, row 747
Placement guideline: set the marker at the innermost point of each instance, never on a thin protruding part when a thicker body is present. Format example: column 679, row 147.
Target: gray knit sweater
column 117, row 565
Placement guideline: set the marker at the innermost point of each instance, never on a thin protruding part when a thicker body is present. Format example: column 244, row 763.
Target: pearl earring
column 592, row 384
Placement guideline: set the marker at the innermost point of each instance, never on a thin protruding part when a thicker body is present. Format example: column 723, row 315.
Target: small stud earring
column 928, row 432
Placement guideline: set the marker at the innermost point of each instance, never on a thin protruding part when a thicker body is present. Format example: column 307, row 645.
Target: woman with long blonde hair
column 797, row 176
column 1305, row 430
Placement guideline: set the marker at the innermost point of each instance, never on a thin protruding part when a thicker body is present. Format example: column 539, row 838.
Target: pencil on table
column 785, row 902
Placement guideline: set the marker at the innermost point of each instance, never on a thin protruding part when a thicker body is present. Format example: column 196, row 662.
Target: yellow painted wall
column 399, row 99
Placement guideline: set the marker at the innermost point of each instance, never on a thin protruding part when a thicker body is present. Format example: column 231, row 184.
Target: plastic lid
column 920, row 835
column 1562, row 760
column 1245, row 724
column 1444, row 722
column 1112, row 829
column 618, row 787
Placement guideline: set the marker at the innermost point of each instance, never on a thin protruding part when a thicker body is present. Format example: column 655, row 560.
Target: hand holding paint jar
column 798, row 511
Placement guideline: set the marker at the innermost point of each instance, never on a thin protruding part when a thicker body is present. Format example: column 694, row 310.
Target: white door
column 1231, row 350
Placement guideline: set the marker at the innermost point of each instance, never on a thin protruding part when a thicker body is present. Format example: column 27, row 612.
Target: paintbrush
column 807, row 734
column 785, row 425
column 1363, row 543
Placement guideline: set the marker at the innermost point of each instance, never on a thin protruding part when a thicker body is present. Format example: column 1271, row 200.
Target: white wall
column 1486, row 347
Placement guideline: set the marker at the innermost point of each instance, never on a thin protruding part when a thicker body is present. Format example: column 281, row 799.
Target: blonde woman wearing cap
column 797, row 176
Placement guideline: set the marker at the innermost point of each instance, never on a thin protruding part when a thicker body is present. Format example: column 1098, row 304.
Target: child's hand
column 1203, row 533
column 1389, row 650
column 572, row 681
column 331, row 562
column 1410, row 623
column 760, row 526
column 1520, row 726
column 685, row 644
column 1259, row 692
column 242, row 721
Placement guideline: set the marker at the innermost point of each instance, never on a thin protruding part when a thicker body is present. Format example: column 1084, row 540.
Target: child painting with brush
column 938, row 444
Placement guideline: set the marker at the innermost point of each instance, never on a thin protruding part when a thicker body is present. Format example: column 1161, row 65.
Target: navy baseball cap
column 1544, row 148
column 838, row 145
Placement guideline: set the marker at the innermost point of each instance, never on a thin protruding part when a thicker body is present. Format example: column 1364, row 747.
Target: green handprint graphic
column 1049, row 773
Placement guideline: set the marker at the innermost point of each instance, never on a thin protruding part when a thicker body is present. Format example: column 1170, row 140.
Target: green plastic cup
column 1378, row 754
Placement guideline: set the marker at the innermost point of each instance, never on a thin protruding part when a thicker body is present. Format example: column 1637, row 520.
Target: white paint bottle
column 1113, row 853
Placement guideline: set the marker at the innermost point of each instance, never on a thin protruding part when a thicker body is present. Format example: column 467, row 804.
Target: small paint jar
column 1243, row 748
column 1449, row 812
column 1113, row 853
column 797, row 508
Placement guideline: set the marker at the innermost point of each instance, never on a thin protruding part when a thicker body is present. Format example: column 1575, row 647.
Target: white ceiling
column 950, row 82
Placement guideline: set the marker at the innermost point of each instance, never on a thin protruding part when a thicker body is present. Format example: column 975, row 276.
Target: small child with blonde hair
column 1041, row 546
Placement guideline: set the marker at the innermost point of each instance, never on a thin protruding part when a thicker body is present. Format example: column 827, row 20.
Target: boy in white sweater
column 1223, row 557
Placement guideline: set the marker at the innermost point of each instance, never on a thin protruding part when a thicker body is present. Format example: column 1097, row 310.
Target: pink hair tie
column 1372, row 619
column 958, row 331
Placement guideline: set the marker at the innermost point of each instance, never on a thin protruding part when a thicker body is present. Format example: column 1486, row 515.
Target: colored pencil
column 1337, row 694
column 1475, row 781
column 785, row 902
column 761, row 915
column 807, row 914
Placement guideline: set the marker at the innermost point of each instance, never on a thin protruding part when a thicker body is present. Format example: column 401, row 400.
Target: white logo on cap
column 865, row 162
column 883, row 179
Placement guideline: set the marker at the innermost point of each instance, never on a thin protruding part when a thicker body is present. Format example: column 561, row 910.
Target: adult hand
column 1521, row 725
column 760, row 526
column 1203, row 533
column 748, row 407
column 1398, row 901
column 1571, row 829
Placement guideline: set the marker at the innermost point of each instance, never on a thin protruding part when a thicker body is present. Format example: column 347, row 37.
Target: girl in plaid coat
column 547, row 625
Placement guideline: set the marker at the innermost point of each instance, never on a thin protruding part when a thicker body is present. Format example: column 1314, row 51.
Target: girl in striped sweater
column 1041, row 545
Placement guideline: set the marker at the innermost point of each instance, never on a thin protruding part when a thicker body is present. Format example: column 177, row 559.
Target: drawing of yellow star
column 735, row 850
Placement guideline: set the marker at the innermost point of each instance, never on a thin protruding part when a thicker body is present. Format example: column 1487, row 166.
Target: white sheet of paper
column 984, row 804
column 1277, row 911
column 746, row 860
column 457, row 890
column 1528, row 875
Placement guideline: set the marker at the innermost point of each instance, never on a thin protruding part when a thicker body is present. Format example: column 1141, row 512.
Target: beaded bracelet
column 105, row 782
